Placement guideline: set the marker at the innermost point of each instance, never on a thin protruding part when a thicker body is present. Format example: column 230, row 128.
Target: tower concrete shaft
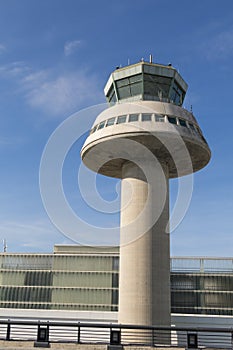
column 144, row 288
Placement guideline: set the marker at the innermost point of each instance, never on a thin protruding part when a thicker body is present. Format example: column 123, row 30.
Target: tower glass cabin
column 146, row 81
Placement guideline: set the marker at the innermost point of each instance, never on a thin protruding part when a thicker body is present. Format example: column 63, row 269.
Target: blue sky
column 55, row 57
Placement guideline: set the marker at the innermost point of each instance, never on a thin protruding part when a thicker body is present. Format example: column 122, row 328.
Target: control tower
column 145, row 138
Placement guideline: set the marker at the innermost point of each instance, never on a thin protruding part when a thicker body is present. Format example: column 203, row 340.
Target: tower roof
column 146, row 81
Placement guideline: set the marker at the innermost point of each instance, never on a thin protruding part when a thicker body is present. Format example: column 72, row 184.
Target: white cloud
column 57, row 94
column 14, row 69
column 219, row 47
column 71, row 46
column 61, row 94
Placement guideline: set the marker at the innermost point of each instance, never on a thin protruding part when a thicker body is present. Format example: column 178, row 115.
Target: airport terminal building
column 83, row 278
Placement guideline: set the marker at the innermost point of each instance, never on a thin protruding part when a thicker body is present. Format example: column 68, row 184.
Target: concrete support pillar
column 144, row 287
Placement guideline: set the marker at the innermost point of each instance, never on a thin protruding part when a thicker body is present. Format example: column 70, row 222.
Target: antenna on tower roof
column 151, row 58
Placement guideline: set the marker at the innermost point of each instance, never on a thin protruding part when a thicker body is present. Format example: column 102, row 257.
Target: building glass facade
column 202, row 286
column 87, row 278
column 78, row 278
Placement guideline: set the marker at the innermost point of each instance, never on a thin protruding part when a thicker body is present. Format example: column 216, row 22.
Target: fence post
column 192, row 340
column 115, row 337
column 153, row 337
column 42, row 337
column 8, row 331
column 79, row 333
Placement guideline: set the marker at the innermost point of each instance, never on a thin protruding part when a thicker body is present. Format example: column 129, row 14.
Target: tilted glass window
column 101, row 125
column 121, row 119
column 182, row 122
column 192, row 127
column 159, row 118
column 156, row 86
column 133, row 117
column 177, row 94
column 146, row 117
column 171, row 120
column 130, row 86
column 111, row 96
column 110, row 121
column 93, row 130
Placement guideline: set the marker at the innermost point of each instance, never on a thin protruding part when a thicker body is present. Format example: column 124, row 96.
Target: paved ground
column 17, row 345
column 29, row 345
column 20, row 345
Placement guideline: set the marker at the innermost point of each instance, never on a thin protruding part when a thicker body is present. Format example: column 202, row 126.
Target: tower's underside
column 172, row 135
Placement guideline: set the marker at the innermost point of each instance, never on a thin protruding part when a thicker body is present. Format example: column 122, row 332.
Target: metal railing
column 102, row 333
column 201, row 264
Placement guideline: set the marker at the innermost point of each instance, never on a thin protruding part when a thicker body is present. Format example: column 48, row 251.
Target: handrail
column 48, row 331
